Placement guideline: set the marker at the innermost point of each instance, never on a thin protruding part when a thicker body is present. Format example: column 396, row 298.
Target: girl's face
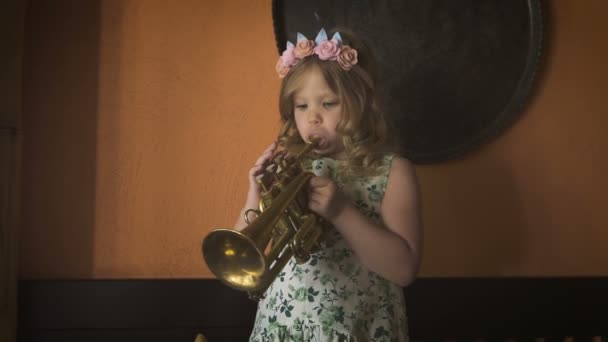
column 317, row 111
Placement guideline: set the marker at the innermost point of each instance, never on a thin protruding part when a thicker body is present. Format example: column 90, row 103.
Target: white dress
column 333, row 297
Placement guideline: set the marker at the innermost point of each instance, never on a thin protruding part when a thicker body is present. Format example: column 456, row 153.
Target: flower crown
column 326, row 49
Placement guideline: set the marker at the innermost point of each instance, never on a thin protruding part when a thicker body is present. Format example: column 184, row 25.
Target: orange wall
column 141, row 119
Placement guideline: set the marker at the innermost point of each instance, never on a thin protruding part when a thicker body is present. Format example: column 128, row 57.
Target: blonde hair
column 362, row 127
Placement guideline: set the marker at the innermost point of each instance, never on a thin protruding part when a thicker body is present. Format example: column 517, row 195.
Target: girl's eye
column 329, row 104
column 301, row 106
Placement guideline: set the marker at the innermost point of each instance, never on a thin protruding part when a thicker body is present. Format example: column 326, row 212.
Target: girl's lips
column 321, row 142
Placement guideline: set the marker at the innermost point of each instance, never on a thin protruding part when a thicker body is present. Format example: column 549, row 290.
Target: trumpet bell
column 233, row 257
column 283, row 228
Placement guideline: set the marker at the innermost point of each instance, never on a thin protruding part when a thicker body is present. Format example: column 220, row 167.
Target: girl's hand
column 253, row 197
column 326, row 199
column 258, row 169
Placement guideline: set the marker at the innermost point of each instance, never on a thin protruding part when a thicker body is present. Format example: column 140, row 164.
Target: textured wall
column 532, row 202
column 141, row 119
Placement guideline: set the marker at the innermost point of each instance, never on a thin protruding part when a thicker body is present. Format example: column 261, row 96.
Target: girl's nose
column 314, row 118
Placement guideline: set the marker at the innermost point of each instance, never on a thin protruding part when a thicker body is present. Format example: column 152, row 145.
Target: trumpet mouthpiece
column 314, row 140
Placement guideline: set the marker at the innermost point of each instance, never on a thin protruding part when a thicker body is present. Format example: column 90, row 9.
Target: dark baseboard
column 176, row 310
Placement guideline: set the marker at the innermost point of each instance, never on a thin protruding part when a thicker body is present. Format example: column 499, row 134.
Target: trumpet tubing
column 239, row 258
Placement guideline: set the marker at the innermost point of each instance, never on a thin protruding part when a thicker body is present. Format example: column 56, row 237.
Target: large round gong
column 453, row 74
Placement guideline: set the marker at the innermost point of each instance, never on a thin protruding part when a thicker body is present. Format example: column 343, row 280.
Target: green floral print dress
column 333, row 297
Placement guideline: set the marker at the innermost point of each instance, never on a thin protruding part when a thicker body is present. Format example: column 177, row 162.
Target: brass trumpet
column 238, row 258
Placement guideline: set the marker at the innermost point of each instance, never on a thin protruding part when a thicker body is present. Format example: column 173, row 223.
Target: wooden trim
column 12, row 16
column 8, row 234
column 175, row 310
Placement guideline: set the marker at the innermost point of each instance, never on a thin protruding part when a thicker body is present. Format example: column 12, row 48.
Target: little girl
column 352, row 288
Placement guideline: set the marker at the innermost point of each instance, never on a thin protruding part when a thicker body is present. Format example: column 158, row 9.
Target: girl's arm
column 394, row 250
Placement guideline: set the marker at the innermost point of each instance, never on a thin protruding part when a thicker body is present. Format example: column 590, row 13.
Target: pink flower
column 304, row 48
column 347, row 57
column 288, row 57
column 281, row 69
column 328, row 49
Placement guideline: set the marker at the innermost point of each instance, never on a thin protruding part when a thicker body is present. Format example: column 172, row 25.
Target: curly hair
column 362, row 127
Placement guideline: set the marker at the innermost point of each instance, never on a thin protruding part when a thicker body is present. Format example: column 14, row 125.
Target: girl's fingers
column 268, row 151
column 312, row 205
column 266, row 155
column 319, row 181
column 263, row 158
column 256, row 170
column 316, row 199
column 271, row 147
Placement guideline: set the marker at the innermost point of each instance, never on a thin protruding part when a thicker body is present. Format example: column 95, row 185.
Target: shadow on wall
column 60, row 104
column 481, row 211
column 476, row 224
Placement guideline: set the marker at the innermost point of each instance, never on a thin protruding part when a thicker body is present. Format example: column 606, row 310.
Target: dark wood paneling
column 12, row 13
column 175, row 310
